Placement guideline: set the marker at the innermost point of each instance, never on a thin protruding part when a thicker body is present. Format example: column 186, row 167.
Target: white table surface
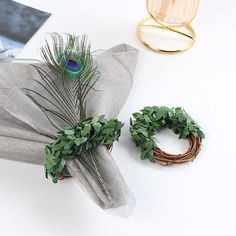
column 196, row 199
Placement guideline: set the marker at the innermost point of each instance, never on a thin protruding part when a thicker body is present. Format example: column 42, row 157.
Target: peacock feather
column 71, row 61
column 61, row 95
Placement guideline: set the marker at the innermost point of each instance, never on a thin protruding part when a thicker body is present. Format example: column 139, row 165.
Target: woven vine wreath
column 148, row 121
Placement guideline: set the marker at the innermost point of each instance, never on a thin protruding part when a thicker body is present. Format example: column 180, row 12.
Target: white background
column 196, row 199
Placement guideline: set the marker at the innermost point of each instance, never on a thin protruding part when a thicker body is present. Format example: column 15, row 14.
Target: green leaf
column 178, row 110
column 86, row 129
column 137, row 115
column 68, row 158
column 110, row 123
column 62, row 163
column 102, row 119
column 69, row 132
column 182, row 118
column 58, row 146
column 95, row 119
column 108, row 131
column 79, row 141
column 97, row 127
column 147, row 119
column 119, row 125
column 201, row 134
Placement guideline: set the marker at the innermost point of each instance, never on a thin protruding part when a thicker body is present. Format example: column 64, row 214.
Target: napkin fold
column 25, row 130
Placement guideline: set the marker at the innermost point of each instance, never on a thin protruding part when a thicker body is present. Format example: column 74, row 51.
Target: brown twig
column 166, row 159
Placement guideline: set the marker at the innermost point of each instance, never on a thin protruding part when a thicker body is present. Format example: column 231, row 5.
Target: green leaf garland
column 74, row 140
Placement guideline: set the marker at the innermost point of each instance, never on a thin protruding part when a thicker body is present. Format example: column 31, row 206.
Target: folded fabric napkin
column 25, row 130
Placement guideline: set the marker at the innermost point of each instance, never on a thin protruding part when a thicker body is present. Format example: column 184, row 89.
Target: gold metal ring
column 172, row 28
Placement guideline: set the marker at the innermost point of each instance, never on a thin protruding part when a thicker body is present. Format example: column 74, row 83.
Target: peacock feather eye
column 71, row 66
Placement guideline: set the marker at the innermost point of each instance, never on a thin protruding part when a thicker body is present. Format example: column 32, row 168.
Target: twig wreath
column 149, row 120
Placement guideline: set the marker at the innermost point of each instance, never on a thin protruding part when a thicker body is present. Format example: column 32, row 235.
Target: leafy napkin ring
column 77, row 139
column 150, row 119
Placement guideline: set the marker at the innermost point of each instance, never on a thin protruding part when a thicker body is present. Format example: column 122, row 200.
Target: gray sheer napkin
column 25, row 130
